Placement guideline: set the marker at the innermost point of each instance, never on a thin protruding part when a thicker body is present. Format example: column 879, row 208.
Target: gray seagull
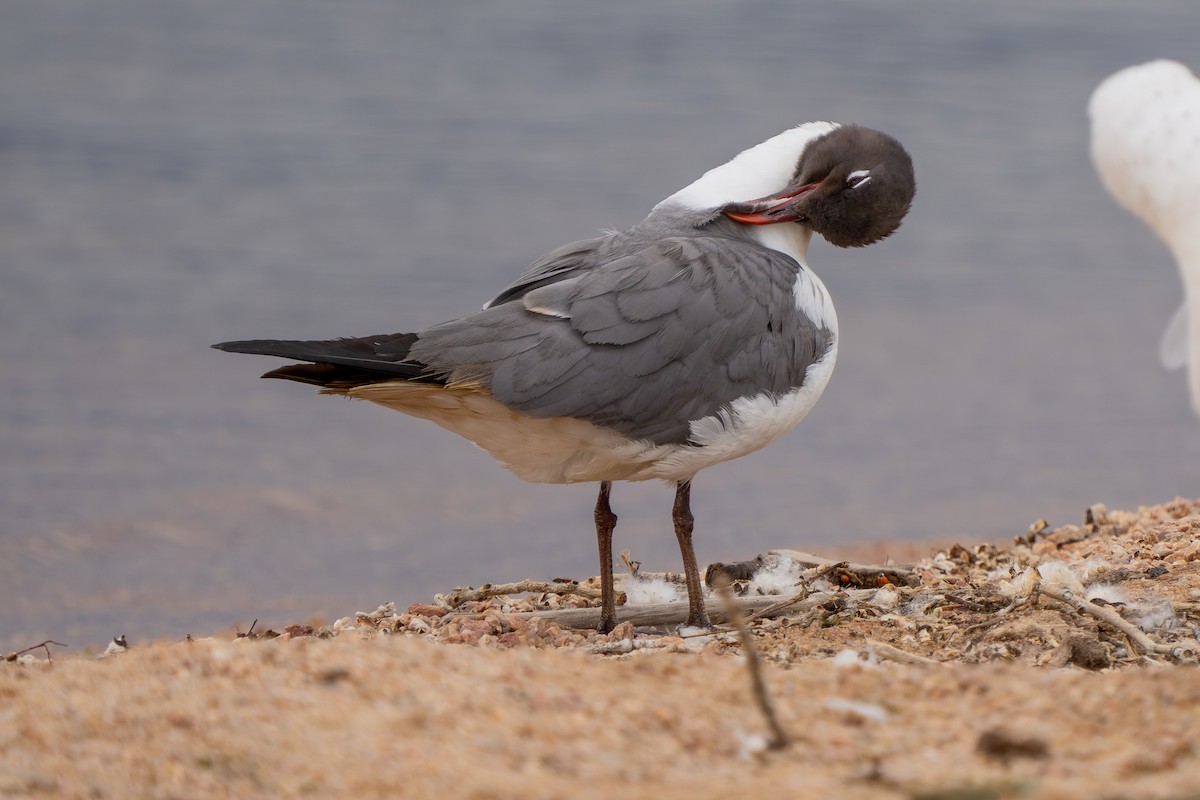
column 696, row 336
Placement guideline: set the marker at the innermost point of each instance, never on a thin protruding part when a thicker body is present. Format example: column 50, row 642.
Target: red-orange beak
column 781, row 207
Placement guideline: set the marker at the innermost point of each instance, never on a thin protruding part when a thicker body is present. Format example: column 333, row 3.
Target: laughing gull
column 696, row 336
column 1146, row 148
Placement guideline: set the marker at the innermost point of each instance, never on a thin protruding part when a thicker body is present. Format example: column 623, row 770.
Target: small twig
column 868, row 572
column 998, row 617
column 971, row 605
column 779, row 739
column 457, row 597
column 630, row 565
column 46, row 644
column 1111, row 618
column 896, row 654
column 782, row 605
column 987, row 624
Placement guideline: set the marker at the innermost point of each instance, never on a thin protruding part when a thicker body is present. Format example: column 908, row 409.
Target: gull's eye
column 858, row 178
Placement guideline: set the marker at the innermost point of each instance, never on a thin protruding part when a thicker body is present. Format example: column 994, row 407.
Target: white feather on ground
column 651, row 590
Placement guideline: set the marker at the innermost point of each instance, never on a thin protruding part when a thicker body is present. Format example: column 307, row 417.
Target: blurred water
column 177, row 174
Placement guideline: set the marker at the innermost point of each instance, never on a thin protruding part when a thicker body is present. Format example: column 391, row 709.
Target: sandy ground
column 981, row 677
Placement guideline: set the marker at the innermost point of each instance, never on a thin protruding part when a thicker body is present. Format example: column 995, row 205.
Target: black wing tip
column 312, row 374
column 283, row 348
column 350, row 361
column 252, row 346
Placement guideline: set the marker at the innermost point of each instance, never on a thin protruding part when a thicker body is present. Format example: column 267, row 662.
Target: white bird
column 697, row 336
column 1146, row 148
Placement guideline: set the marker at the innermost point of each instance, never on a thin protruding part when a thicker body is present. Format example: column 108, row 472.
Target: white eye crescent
column 858, row 178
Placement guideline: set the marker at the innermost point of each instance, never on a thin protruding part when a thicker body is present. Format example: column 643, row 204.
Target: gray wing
column 565, row 262
column 660, row 336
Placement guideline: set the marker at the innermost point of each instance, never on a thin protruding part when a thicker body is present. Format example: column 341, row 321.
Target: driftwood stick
column 782, row 605
column 779, row 738
column 1114, row 620
column 893, row 572
column 456, row 597
column 642, row 615
column 884, row 650
column 663, row 614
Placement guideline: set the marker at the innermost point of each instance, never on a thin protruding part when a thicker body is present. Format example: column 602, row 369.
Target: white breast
column 751, row 423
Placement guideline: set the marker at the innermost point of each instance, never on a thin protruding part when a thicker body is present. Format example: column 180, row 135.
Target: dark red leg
column 682, row 515
column 606, row 521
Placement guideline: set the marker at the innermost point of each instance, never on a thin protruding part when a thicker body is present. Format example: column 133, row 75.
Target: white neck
column 791, row 240
column 762, row 170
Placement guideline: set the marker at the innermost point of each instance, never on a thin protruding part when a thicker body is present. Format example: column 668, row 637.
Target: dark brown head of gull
column 696, row 336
